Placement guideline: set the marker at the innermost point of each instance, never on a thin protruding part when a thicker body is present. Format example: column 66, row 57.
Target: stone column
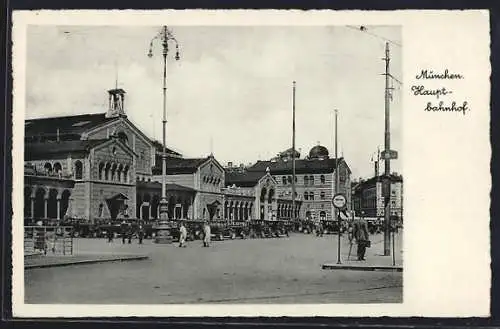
column 149, row 208
column 58, row 208
column 46, row 207
column 140, row 211
column 32, row 214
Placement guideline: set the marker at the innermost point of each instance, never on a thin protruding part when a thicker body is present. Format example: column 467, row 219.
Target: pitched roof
column 42, row 149
column 373, row 180
column 180, row 166
column 67, row 125
column 302, row 166
column 243, row 179
column 170, row 187
column 159, row 148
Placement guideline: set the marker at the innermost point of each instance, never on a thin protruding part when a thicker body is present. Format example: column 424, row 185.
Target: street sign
column 339, row 201
column 392, row 155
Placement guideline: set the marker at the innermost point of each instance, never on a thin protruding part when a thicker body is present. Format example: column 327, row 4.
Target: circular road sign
column 339, row 201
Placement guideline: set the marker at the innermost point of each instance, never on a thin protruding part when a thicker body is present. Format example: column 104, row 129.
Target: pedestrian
column 109, row 232
column 123, row 231
column 130, row 232
column 141, row 233
column 207, row 232
column 182, row 235
column 360, row 233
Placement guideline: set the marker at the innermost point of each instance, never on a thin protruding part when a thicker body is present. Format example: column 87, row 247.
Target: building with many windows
column 314, row 180
column 98, row 167
column 369, row 201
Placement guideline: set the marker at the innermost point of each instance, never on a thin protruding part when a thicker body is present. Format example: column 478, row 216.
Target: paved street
column 285, row 270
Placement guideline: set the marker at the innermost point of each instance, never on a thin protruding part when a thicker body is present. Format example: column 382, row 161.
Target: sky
column 231, row 91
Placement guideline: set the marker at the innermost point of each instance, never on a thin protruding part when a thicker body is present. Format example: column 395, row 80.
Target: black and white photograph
column 217, row 164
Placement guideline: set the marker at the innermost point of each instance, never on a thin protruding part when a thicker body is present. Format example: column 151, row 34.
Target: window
column 322, row 179
column 306, row 196
column 311, row 180
column 123, row 137
column 290, row 179
column 78, row 170
column 101, row 208
column 48, row 168
column 322, row 195
column 311, row 195
column 306, row 180
column 283, row 180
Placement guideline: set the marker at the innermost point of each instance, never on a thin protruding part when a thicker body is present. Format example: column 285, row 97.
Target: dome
column 318, row 152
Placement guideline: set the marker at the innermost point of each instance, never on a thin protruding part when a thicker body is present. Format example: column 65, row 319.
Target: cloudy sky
column 231, row 92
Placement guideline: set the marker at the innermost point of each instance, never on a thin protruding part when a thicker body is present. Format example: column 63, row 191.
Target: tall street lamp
column 166, row 37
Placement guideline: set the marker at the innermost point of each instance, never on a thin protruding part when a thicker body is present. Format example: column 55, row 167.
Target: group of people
column 126, row 233
column 207, row 234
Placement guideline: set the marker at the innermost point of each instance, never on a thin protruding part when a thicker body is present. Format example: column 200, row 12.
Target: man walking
column 140, row 233
column 361, row 235
column 207, row 234
column 182, row 235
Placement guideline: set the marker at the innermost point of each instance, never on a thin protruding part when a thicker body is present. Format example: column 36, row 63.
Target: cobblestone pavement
column 284, row 270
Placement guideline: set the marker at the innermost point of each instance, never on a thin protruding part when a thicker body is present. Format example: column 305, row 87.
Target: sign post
column 339, row 202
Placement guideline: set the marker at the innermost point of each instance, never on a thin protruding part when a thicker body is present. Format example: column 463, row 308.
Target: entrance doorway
column 116, row 205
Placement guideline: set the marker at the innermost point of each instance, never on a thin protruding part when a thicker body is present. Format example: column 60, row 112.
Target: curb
column 362, row 268
column 86, row 261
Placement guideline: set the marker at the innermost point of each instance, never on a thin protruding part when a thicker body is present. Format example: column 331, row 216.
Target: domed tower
column 318, row 152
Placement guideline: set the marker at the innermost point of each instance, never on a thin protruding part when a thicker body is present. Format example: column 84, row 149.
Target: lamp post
column 165, row 36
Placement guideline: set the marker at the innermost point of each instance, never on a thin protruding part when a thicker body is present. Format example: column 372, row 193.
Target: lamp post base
column 163, row 229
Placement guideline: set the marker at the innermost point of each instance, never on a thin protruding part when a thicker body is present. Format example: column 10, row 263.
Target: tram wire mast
column 387, row 155
column 293, row 154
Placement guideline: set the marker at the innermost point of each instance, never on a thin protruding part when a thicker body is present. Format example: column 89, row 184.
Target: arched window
column 311, row 195
column 311, row 179
column 119, row 173
column 106, row 171
column 306, row 181
column 283, row 180
column 57, row 168
column 101, row 171
column 322, row 179
column 322, row 195
column 78, row 170
column 123, row 137
column 306, row 195
column 113, row 172
column 48, row 168
column 125, row 174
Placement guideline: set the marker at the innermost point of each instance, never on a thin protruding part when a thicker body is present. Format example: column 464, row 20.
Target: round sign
column 339, row 201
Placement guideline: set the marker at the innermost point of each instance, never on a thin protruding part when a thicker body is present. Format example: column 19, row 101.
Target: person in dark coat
column 362, row 237
column 141, row 233
column 123, row 229
column 130, row 232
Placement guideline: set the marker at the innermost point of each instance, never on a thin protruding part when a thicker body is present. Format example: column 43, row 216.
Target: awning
column 118, row 197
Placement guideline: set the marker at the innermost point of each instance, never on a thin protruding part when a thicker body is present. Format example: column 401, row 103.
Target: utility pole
column 293, row 155
column 386, row 190
column 337, row 211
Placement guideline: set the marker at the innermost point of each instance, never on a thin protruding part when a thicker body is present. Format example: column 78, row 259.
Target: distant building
column 314, row 180
column 368, row 198
column 264, row 202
